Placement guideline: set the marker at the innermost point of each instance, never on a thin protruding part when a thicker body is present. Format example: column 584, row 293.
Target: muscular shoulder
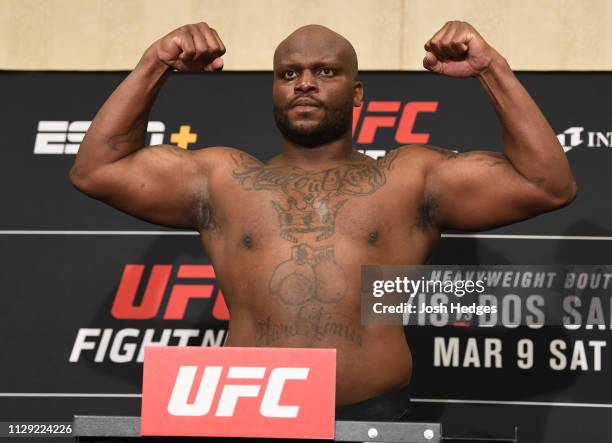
column 219, row 155
column 419, row 159
column 425, row 154
column 220, row 161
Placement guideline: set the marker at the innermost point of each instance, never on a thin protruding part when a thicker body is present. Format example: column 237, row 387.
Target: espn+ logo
column 64, row 137
column 269, row 406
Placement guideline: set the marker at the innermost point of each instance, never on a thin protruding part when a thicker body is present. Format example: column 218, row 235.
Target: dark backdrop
column 63, row 255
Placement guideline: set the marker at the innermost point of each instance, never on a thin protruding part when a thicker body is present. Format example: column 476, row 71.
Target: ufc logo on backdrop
column 391, row 114
column 230, row 393
column 53, row 135
column 155, row 291
column 239, row 392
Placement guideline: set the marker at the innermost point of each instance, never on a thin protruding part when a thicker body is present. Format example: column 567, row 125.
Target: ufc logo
column 53, row 135
column 230, row 393
column 403, row 122
column 156, row 288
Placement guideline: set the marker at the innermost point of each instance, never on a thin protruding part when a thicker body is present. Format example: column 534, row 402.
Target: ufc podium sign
column 239, row 392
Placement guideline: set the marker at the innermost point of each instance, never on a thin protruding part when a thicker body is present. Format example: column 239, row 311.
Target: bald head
column 316, row 41
column 317, row 67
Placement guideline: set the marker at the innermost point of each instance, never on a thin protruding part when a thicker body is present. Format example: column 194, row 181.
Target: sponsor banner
column 195, row 111
column 87, row 306
column 239, row 392
column 77, row 311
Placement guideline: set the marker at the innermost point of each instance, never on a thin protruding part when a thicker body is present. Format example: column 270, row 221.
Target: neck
column 335, row 150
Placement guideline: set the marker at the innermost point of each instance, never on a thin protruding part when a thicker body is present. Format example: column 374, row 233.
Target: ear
column 357, row 93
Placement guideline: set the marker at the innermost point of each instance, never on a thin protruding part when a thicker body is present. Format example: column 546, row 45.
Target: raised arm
column 161, row 184
column 483, row 190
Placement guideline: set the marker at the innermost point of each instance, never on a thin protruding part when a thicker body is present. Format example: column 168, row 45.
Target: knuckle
column 214, row 53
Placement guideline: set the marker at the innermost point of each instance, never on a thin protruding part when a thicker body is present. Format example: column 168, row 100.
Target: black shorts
column 390, row 406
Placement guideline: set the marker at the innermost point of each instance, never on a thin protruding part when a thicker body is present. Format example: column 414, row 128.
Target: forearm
column 119, row 127
column 529, row 142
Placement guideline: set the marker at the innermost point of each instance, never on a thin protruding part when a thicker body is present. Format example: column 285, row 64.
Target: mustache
column 306, row 99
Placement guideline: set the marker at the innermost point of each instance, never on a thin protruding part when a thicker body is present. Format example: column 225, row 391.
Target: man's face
column 314, row 90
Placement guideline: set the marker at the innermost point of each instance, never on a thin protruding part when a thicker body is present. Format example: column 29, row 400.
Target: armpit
column 204, row 214
column 426, row 213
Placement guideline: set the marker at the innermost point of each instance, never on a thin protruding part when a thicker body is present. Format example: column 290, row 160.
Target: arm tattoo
column 133, row 138
column 448, row 153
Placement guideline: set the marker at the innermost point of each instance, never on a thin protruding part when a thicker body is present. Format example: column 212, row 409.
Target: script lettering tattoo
column 311, row 324
column 309, row 203
column 312, row 199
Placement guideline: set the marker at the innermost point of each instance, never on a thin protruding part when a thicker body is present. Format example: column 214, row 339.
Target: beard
column 335, row 124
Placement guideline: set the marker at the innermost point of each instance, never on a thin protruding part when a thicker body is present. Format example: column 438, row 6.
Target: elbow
column 573, row 192
column 80, row 180
column 76, row 178
column 564, row 196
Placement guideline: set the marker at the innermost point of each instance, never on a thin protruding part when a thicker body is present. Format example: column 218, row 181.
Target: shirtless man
column 287, row 238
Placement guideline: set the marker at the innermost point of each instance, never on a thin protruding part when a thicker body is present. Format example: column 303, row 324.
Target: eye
column 289, row 75
column 326, row 72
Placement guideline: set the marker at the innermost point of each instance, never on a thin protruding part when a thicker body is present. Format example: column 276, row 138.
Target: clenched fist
column 457, row 50
column 191, row 48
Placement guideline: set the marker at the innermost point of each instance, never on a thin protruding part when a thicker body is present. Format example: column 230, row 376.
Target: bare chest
column 352, row 200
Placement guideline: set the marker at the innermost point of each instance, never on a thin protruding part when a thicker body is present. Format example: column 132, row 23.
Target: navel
column 372, row 237
column 247, row 241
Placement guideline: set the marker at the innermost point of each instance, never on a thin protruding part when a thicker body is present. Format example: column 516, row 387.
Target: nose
column 306, row 83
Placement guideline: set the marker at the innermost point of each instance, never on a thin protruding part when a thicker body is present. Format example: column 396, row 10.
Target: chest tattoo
column 307, row 204
column 310, row 201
